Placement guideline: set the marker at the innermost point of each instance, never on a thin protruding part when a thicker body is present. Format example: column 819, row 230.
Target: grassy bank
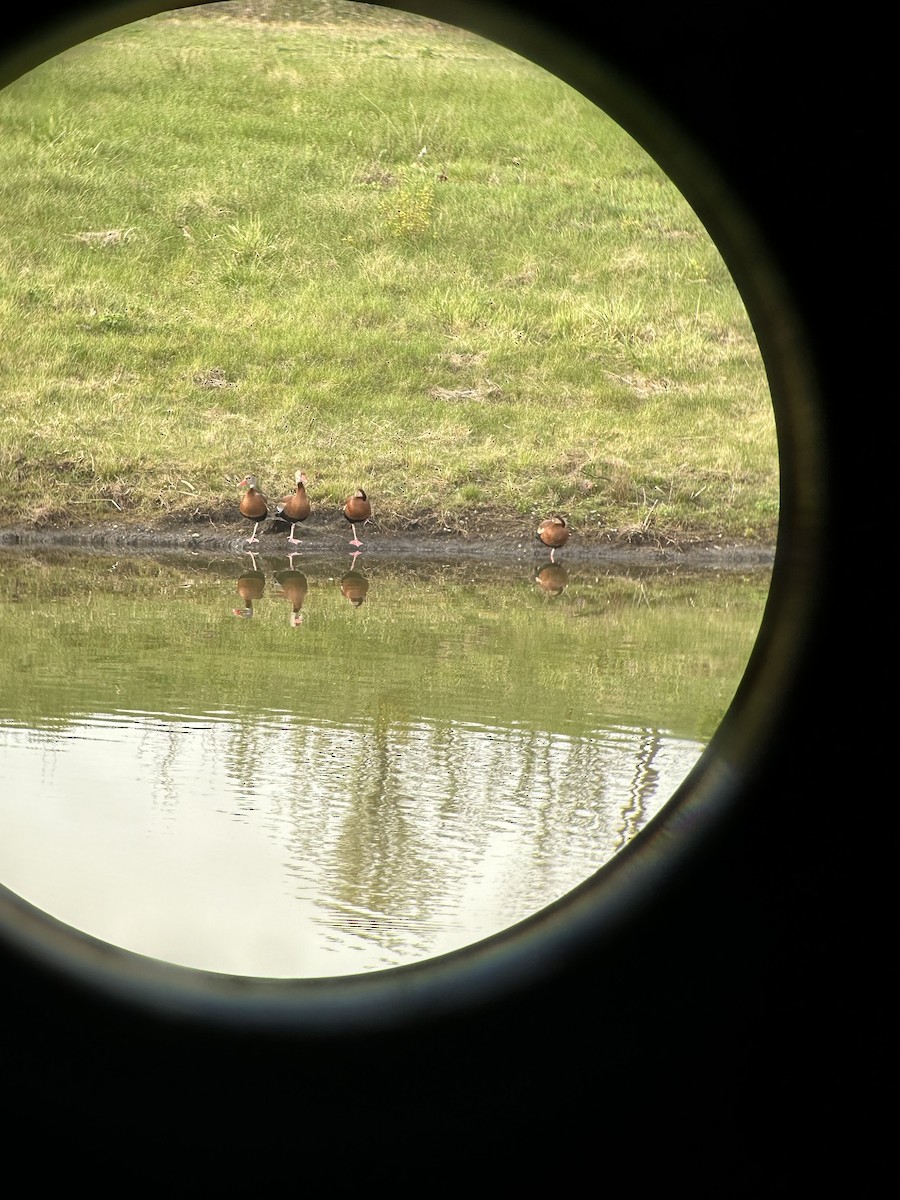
column 380, row 250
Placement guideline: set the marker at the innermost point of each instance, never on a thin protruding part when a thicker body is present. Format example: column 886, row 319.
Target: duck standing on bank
column 554, row 533
column 294, row 507
column 357, row 510
column 254, row 505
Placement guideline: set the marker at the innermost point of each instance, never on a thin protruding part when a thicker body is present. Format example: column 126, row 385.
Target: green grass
column 222, row 250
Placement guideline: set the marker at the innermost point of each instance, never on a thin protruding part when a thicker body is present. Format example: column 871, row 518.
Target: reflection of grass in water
column 467, row 643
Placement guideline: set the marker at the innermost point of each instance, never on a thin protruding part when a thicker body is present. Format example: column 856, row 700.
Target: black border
column 702, row 994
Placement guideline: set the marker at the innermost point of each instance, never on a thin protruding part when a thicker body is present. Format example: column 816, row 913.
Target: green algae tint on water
column 384, row 762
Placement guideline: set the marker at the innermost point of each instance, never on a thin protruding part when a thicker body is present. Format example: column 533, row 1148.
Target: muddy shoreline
column 388, row 544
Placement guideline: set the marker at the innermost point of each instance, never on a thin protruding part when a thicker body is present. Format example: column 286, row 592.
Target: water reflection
column 552, row 578
column 250, row 585
column 433, row 768
column 294, row 585
column 355, row 584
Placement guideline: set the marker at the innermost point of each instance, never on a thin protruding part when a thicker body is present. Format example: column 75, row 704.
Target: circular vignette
column 606, row 907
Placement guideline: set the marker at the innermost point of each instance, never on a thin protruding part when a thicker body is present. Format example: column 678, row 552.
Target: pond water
column 318, row 766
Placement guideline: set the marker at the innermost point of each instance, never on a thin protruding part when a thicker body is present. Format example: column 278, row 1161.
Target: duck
column 294, row 586
column 294, row 507
column 254, row 505
column 554, row 533
column 552, row 578
column 357, row 510
column 250, row 585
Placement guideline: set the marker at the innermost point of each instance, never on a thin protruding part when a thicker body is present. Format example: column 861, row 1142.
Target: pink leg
column 356, row 541
column 253, row 537
column 291, row 538
column 552, row 552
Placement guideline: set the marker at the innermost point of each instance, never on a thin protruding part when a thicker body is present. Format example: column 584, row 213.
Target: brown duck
column 254, row 505
column 294, row 507
column 554, row 533
column 357, row 511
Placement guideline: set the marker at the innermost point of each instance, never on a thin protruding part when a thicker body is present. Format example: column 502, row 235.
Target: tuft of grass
column 342, row 238
column 408, row 210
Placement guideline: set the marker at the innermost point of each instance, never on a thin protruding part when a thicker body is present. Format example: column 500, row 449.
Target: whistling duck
column 553, row 532
column 294, row 507
column 354, row 584
column 254, row 505
column 250, row 586
column 357, row 510
column 552, row 578
column 294, row 586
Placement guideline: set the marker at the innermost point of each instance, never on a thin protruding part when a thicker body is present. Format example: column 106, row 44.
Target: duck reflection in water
column 294, row 586
column 250, row 585
column 552, row 579
column 354, row 584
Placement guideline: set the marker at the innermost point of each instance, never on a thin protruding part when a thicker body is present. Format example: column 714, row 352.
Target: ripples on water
column 302, row 841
